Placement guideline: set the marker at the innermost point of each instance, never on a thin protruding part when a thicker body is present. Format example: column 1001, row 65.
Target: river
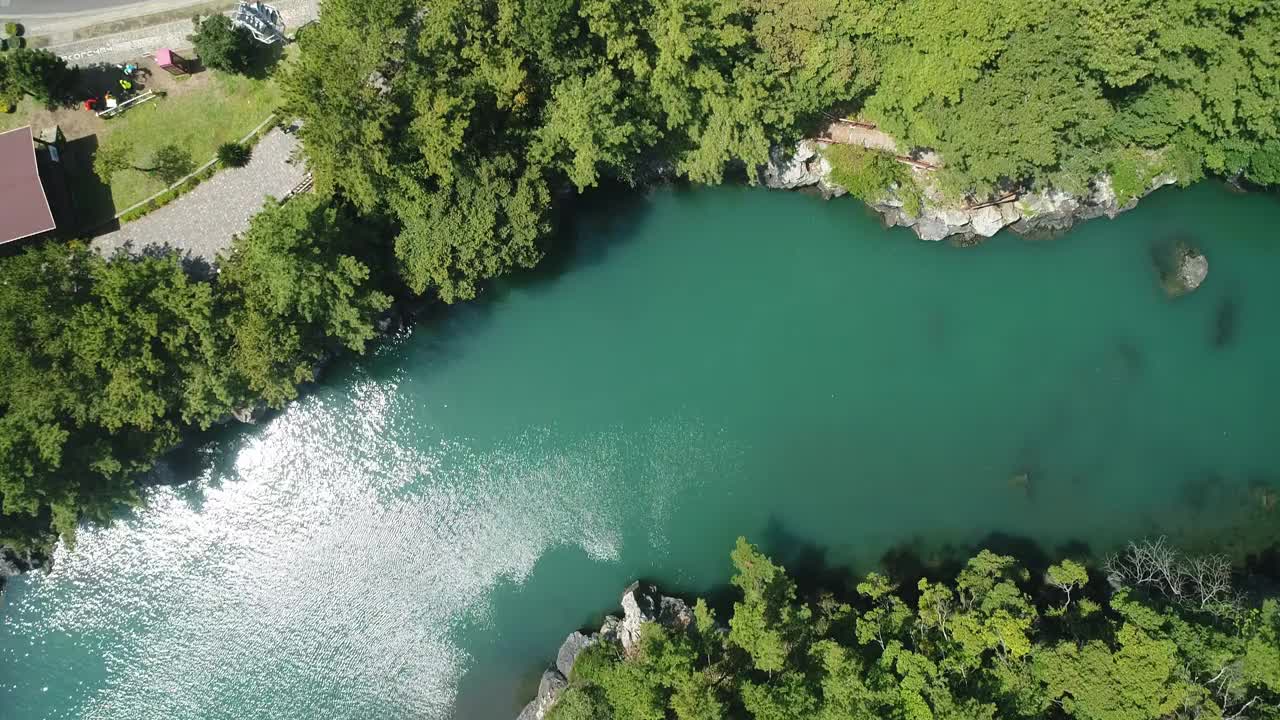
column 414, row 537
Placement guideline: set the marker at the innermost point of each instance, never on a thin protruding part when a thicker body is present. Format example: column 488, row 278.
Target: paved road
column 36, row 8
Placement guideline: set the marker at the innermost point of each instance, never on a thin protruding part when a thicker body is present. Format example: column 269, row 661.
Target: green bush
column 13, row 29
column 4, row 44
column 234, row 154
column 869, row 175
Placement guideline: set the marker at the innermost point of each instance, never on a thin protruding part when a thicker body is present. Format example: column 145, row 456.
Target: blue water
column 413, row 538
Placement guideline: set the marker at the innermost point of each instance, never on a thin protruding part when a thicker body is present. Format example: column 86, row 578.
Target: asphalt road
column 35, row 8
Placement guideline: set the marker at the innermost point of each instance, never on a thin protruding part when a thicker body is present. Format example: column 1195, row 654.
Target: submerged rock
column 1224, row 323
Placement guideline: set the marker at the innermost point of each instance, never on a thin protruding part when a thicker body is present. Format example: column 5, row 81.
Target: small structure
column 261, row 20
column 171, row 62
column 114, row 107
column 24, row 207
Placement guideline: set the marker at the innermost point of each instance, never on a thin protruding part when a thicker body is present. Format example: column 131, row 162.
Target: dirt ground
column 76, row 122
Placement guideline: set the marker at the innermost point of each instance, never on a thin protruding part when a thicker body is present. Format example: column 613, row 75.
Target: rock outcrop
column 644, row 604
column 1182, row 269
column 641, row 604
column 1038, row 212
column 549, row 688
column 14, row 563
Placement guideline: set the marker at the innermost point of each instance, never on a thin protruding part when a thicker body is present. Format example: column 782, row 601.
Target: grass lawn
column 198, row 113
column 199, row 120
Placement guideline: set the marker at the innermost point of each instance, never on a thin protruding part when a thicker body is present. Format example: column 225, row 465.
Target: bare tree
column 1220, row 696
column 1210, row 578
column 1150, row 564
column 1203, row 581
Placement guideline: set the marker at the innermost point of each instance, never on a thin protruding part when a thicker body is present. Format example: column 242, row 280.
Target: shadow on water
column 588, row 228
column 1225, row 322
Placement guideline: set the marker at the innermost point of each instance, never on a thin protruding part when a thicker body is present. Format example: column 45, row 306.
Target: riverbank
column 886, row 645
column 918, row 203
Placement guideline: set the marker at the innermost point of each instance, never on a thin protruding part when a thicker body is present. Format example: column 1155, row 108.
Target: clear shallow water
column 415, row 537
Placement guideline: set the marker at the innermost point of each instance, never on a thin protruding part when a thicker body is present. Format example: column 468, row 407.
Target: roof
column 24, row 209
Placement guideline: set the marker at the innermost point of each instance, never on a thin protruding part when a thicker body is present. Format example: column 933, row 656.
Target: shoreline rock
column 1031, row 213
column 641, row 605
column 14, row 563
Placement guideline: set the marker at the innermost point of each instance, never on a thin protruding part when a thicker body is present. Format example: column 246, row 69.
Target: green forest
column 107, row 363
column 1151, row 634
column 445, row 135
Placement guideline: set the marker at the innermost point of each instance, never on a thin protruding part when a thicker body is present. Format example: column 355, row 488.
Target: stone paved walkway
column 201, row 223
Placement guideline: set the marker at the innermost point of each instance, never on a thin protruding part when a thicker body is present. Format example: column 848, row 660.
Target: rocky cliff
column 1030, row 213
column 641, row 604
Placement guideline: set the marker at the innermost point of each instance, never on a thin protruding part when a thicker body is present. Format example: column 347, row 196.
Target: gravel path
column 201, row 223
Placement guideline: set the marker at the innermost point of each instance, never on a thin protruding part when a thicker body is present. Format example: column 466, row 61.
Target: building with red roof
column 24, row 206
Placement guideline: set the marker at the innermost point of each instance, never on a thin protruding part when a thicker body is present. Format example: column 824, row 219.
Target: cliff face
column 1029, row 213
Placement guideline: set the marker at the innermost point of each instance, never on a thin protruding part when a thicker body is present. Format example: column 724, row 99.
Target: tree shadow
column 90, row 197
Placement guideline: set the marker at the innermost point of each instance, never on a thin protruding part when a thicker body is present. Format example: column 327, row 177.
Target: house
column 24, row 206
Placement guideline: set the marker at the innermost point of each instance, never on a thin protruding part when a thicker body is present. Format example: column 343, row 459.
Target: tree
column 171, row 163
column 222, row 45
column 1135, row 661
column 1067, row 576
column 112, row 158
column 766, row 623
column 289, row 290
column 38, row 73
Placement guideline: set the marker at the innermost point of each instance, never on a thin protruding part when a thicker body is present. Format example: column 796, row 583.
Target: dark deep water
column 415, row 537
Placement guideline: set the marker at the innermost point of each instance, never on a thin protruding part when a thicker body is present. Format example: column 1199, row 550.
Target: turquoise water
column 414, row 537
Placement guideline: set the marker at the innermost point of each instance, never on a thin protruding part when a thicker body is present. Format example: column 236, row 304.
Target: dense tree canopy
column 992, row 642
column 107, row 362
column 454, row 126
column 462, row 119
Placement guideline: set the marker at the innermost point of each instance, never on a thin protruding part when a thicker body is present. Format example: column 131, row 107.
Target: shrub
column 234, row 154
column 13, row 29
column 869, row 175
